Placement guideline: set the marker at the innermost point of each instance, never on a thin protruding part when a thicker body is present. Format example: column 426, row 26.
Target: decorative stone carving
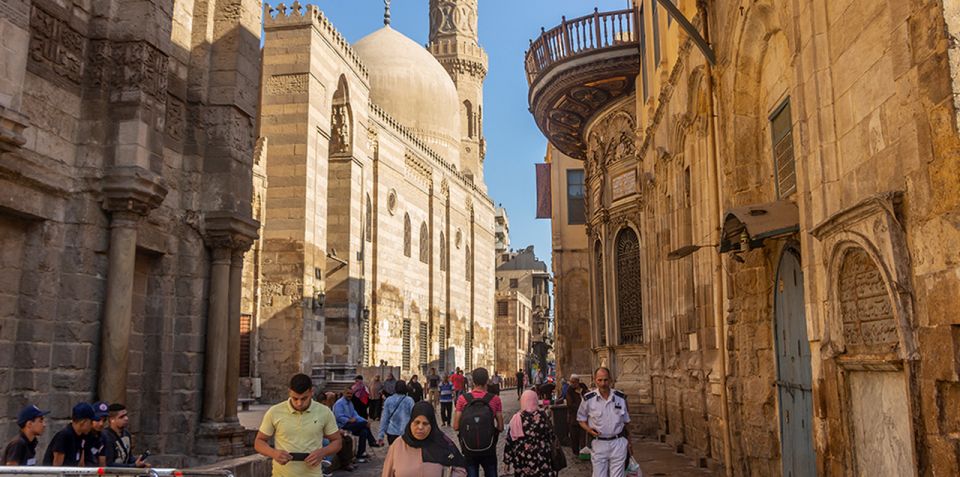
column 128, row 66
column 296, row 83
column 341, row 136
column 176, row 118
column 12, row 125
column 865, row 309
column 450, row 17
column 392, row 202
column 57, row 51
column 418, row 168
column 132, row 189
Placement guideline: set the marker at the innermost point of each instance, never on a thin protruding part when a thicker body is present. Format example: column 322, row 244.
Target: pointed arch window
column 601, row 315
column 406, row 235
column 469, row 120
column 629, row 302
column 443, row 253
column 424, row 243
column 369, row 222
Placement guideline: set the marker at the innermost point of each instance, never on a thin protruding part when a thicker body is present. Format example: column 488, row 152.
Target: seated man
column 349, row 419
column 342, row 460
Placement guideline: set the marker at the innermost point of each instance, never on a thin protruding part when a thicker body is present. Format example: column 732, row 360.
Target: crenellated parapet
column 298, row 15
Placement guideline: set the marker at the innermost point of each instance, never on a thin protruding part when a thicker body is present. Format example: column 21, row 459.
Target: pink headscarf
column 528, row 403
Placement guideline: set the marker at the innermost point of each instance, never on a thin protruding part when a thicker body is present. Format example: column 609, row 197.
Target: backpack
column 478, row 431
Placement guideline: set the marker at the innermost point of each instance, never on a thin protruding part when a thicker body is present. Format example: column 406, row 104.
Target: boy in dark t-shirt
column 67, row 447
column 94, row 447
column 22, row 449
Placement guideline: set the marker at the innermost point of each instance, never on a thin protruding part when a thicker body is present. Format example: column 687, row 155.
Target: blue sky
column 514, row 143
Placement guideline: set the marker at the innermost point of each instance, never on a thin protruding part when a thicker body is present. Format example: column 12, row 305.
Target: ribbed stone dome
column 411, row 85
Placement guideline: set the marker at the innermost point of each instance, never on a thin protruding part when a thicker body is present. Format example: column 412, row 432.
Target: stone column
column 218, row 322
column 115, row 328
column 233, row 341
column 129, row 194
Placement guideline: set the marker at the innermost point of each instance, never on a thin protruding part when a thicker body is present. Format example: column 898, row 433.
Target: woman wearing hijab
column 530, row 440
column 396, row 414
column 416, row 389
column 424, row 451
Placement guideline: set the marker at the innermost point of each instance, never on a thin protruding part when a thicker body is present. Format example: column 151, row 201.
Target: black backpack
column 478, row 430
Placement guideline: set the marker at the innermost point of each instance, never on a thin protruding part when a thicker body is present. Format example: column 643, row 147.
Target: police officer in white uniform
column 603, row 414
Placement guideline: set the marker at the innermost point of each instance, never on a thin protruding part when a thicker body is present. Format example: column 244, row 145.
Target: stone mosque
column 377, row 239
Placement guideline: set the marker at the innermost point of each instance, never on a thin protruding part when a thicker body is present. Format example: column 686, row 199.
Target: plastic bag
column 584, row 453
column 633, row 469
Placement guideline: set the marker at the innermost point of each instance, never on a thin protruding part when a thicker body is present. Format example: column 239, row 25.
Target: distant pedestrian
column 66, row 448
column 348, row 418
column 416, row 389
column 479, row 420
column 433, row 387
column 396, row 414
column 376, row 398
column 22, row 449
column 573, row 397
column 361, row 397
column 424, row 451
column 117, row 441
column 94, row 445
column 530, row 440
column 446, row 401
column 389, row 386
column 495, row 382
column 603, row 414
column 298, row 427
column 520, row 378
column 459, row 382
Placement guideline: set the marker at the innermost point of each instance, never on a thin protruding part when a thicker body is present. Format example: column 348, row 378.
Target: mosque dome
column 411, row 85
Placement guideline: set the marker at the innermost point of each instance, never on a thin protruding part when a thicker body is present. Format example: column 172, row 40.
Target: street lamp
column 685, row 251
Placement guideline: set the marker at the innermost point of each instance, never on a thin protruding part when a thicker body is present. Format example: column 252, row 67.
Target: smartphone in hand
column 299, row 456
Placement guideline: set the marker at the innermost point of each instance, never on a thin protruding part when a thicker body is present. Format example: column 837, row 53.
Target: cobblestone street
column 654, row 458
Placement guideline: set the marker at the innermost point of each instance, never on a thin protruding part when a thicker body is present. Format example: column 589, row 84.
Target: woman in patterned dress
column 530, row 442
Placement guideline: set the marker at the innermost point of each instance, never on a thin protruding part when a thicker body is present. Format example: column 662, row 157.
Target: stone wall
column 126, row 144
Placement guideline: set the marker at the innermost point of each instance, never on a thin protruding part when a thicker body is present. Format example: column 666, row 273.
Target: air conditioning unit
column 256, row 387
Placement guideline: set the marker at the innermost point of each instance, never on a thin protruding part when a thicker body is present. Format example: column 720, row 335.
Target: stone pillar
column 218, row 322
column 115, row 328
column 233, row 340
column 129, row 194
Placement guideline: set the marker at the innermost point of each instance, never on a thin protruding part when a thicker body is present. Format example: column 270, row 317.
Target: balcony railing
column 580, row 36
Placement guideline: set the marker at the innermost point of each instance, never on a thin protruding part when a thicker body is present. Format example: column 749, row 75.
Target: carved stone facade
column 377, row 246
column 872, row 135
column 126, row 136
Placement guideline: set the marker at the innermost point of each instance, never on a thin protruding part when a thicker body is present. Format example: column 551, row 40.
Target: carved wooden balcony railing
column 577, row 68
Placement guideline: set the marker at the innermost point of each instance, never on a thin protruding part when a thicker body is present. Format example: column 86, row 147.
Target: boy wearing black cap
column 22, row 450
column 94, row 446
column 67, row 447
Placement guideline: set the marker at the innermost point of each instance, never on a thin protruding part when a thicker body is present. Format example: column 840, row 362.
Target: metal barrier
column 109, row 471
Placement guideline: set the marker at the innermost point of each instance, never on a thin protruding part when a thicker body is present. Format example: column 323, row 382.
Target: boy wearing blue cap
column 67, row 447
column 94, row 443
column 22, row 450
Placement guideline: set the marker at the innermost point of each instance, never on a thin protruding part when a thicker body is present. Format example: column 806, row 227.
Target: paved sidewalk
column 655, row 459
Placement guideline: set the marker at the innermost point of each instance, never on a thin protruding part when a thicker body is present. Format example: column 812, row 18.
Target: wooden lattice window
column 784, row 163
column 503, row 308
column 424, row 243
column 423, row 342
column 365, row 336
column 629, row 302
column 406, row 235
column 468, row 349
column 406, row 345
column 601, row 315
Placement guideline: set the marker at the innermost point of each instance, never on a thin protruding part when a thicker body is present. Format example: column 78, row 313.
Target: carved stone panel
column 865, row 309
column 341, row 136
column 287, row 84
column 449, row 17
column 57, row 51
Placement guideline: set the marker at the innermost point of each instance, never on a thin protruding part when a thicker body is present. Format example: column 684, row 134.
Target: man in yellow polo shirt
column 298, row 426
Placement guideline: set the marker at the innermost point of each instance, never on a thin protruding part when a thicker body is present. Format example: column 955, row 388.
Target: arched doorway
column 794, row 377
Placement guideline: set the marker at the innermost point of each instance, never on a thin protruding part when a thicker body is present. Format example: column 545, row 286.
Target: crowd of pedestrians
column 96, row 436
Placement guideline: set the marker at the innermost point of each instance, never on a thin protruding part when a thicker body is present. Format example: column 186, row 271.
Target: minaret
column 454, row 42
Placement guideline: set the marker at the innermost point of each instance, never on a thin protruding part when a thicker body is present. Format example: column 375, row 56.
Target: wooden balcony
column 577, row 69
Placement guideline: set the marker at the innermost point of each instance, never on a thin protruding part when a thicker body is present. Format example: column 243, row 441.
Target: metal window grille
column 424, row 342
column 365, row 336
column 503, row 308
column 406, row 345
column 443, row 348
column 468, row 349
column 246, row 326
column 784, row 164
column 629, row 302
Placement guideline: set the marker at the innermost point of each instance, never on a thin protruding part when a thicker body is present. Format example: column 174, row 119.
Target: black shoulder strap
column 487, row 398
column 469, row 397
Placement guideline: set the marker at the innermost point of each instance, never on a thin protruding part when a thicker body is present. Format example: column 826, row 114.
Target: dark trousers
column 488, row 463
column 376, row 408
column 578, row 439
column 519, row 390
column 364, row 436
column 446, row 411
column 361, row 407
